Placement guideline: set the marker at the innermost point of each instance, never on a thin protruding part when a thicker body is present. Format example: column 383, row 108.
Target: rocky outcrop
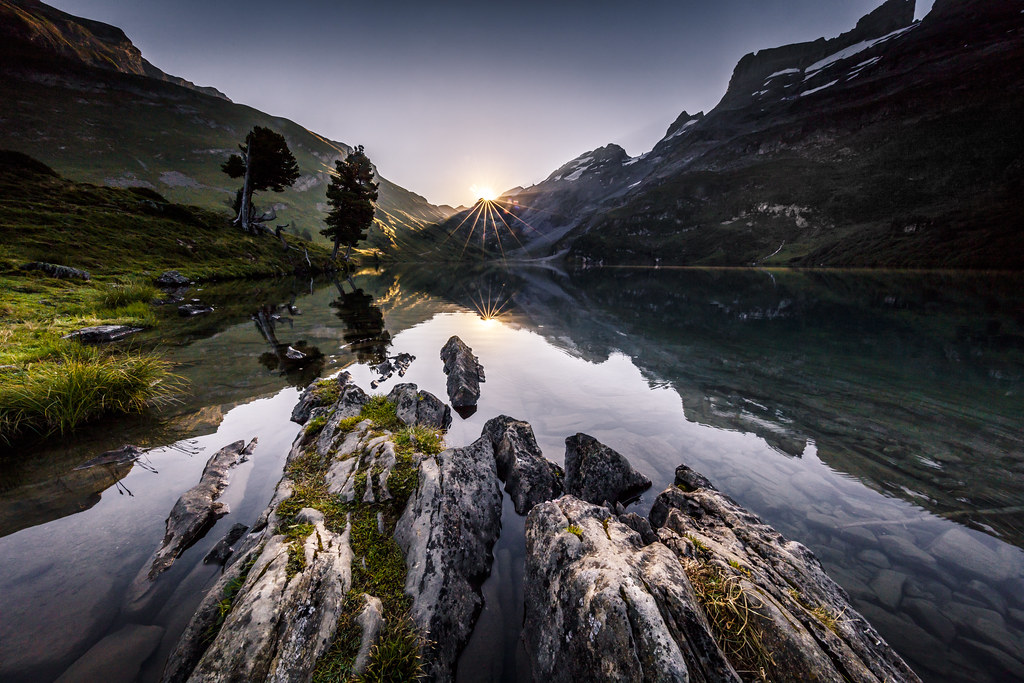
column 420, row 407
column 102, row 334
column 464, row 376
column 598, row 474
column 197, row 509
column 529, row 477
column 601, row 606
column 59, row 272
column 708, row 594
column 220, row 553
column 447, row 533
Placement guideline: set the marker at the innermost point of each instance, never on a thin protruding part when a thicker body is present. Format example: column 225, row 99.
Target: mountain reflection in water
column 875, row 417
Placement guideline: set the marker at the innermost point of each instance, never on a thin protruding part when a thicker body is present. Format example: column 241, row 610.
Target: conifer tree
column 350, row 195
column 266, row 163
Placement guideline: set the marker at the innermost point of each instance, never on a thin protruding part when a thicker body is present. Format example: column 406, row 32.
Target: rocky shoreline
column 370, row 557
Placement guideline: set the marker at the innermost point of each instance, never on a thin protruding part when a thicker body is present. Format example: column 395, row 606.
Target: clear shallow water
column 874, row 417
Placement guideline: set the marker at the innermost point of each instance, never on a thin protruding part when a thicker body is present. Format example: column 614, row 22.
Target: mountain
column 79, row 96
column 896, row 144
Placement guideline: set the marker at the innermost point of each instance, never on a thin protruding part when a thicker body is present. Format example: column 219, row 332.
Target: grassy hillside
column 124, row 238
column 122, row 129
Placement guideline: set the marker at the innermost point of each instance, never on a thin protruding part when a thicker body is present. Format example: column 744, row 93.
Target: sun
column 483, row 192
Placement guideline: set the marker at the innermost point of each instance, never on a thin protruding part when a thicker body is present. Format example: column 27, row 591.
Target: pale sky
column 447, row 95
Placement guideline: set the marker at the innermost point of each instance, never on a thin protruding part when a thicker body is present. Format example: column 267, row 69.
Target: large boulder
column 447, row 533
column 57, row 271
column 529, row 477
column 420, row 407
column 598, row 474
column 464, row 376
column 102, row 334
column 172, row 279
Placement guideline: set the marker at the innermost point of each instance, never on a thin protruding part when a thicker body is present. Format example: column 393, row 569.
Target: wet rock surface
column 465, row 375
column 102, row 334
column 193, row 309
column 197, row 509
column 220, row 553
column 529, row 477
column 172, row 279
column 598, row 474
column 447, row 533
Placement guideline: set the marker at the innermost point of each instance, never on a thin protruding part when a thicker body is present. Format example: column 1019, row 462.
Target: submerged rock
column 529, row 477
column 420, row 407
column 447, row 533
column 197, row 509
column 596, row 473
column 190, row 310
column 117, row 657
column 102, row 334
column 220, row 553
column 464, row 376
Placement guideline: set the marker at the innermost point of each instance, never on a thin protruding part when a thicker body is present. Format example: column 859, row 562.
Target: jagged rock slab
column 529, row 477
column 59, row 272
column 420, row 407
column 280, row 625
column 102, row 334
column 447, row 533
column 198, row 508
column 802, row 617
column 598, row 474
column 464, row 376
column 601, row 606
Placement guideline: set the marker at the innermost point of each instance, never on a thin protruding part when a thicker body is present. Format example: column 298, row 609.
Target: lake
column 874, row 417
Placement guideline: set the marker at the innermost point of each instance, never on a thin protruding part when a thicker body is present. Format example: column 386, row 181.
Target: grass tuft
column 575, row 531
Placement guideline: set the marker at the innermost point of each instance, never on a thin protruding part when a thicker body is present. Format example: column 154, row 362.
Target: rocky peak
column 610, row 155
column 37, row 27
column 682, row 123
column 752, row 70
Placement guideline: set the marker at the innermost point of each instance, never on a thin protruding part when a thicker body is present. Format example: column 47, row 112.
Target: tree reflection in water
column 299, row 361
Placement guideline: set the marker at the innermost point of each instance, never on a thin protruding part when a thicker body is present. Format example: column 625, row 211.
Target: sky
column 449, row 96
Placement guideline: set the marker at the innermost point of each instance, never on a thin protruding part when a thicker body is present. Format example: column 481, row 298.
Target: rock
column 596, row 473
column 117, row 657
column 371, row 622
column 529, row 477
column 967, row 552
column 902, row 551
column 804, row 618
column 464, row 376
column 602, row 607
column 927, row 615
column 220, row 553
column 447, row 533
column 420, row 407
column 888, row 587
column 172, row 279
column 313, row 396
column 102, row 334
column 59, row 272
column 986, row 594
column 189, row 310
column 197, row 508
column 640, row 525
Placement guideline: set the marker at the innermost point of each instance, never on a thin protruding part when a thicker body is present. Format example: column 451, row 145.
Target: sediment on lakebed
column 370, row 556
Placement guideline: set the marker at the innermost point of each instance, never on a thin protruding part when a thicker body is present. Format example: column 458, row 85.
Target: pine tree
column 350, row 195
column 266, row 163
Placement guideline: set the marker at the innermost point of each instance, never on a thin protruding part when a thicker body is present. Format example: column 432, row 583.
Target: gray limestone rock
column 420, row 407
column 59, row 272
column 596, row 473
column 800, row 615
column 447, row 533
column 601, row 606
column 371, row 623
column 464, row 376
column 220, row 553
column 172, row 279
column 529, row 477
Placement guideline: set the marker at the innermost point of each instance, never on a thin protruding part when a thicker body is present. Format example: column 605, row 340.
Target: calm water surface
column 876, row 418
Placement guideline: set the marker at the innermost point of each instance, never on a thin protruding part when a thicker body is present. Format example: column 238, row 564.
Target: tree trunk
column 337, row 244
column 244, row 210
column 348, row 253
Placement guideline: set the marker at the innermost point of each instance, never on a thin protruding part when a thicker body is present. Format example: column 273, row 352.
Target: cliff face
column 89, row 42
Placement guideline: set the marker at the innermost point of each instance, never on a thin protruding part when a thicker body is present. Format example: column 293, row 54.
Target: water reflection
column 299, row 361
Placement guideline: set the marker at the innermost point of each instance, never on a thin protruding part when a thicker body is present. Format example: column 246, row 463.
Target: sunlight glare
column 484, row 192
